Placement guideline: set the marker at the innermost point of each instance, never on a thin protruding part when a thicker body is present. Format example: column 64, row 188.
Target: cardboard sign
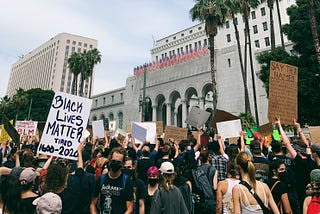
column 233, row 140
column 26, row 128
column 283, row 92
column 197, row 116
column 266, row 129
column 65, row 126
column 159, row 128
column 138, row 132
column 98, row 129
column 12, row 132
column 315, row 134
column 120, row 134
column 176, row 133
column 229, row 129
column 112, row 125
column 128, row 128
column 220, row 116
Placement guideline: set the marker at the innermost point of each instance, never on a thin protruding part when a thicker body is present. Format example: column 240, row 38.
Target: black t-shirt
column 139, row 191
column 142, row 168
column 29, row 208
column 278, row 190
column 114, row 193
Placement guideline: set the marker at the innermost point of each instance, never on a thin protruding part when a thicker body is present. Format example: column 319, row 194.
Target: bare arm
column 221, row 144
column 286, row 203
column 243, row 146
column 236, row 200
column 80, row 159
column 198, row 145
column 219, row 198
column 129, row 207
column 141, row 206
column 285, row 139
column 215, row 180
column 302, row 136
column 271, row 202
column 93, row 209
column 306, row 203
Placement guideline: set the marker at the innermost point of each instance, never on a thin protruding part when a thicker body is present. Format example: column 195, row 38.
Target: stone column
column 154, row 112
column 175, row 118
column 201, row 103
column 184, row 112
column 168, row 114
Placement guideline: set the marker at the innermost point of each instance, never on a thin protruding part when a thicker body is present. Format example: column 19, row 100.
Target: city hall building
column 179, row 77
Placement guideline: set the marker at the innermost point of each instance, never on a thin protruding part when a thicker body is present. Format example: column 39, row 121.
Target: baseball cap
column 153, row 170
column 255, row 147
column 16, row 171
column 49, row 203
column 28, row 175
column 315, row 147
column 167, row 168
column 315, row 176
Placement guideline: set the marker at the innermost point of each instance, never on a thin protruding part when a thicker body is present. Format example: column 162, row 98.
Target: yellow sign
column 4, row 134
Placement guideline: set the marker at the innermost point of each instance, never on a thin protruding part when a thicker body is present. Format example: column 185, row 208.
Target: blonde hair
column 167, row 181
column 244, row 160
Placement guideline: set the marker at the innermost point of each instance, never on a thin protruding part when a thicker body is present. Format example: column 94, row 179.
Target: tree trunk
column 272, row 37
column 314, row 31
column 243, row 72
column 252, row 71
column 213, row 73
column 82, row 79
column 280, row 23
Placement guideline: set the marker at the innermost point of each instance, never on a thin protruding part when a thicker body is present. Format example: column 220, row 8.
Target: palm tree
column 91, row 58
column 4, row 103
column 213, row 13
column 75, row 65
column 19, row 99
column 245, row 8
column 314, row 28
column 270, row 4
column 233, row 7
column 280, row 23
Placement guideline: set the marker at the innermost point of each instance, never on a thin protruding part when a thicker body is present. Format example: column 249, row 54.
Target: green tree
column 213, row 13
column 233, row 7
column 314, row 27
column 75, row 63
column 4, row 103
column 19, row 100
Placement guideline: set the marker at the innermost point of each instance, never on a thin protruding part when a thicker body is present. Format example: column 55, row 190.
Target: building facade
column 179, row 76
column 46, row 67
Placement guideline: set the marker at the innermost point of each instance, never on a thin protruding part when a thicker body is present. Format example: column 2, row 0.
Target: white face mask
column 188, row 148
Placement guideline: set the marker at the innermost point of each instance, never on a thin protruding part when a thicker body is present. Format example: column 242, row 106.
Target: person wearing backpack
column 311, row 204
column 206, row 179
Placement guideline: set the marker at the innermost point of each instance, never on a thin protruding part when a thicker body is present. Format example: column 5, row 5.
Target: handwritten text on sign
column 28, row 128
column 283, row 92
column 66, row 123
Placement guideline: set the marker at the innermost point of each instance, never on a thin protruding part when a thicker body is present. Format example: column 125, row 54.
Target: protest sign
column 138, row 132
column 128, row 128
column 12, row 132
column 151, row 132
column 26, row 128
column 266, row 129
column 120, row 134
column 159, row 128
column 98, row 129
column 220, row 116
column 283, row 92
column 228, row 129
column 4, row 134
column 176, row 133
column 276, row 135
column 112, row 125
column 65, row 126
column 233, row 140
column 315, row 134
column 197, row 116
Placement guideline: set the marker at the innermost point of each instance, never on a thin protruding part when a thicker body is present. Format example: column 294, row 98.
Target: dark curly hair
column 56, row 178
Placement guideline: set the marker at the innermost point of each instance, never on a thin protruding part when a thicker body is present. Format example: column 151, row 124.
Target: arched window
column 120, row 118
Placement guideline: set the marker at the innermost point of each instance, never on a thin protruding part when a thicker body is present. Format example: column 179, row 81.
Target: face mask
column 282, row 175
column 115, row 166
column 153, row 181
column 188, row 148
column 128, row 171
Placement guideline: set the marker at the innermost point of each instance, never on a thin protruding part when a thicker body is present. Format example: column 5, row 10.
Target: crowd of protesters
column 200, row 174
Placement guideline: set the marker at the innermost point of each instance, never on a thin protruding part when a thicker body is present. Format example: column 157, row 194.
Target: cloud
column 124, row 29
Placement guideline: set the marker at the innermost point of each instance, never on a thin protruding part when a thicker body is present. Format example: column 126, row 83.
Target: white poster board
column 112, row 125
column 151, row 128
column 138, row 132
column 197, row 116
column 26, row 128
column 65, row 126
column 98, row 129
column 228, row 129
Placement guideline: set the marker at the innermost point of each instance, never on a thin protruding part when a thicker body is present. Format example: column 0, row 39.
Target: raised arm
column 80, row 150
column 198, row 145
column 302, row 136
column 285, row 139
column 242, row 144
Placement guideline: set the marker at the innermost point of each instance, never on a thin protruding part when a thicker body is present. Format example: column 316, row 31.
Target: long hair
column 166, row 181
column 244, row 160
column 11, row 195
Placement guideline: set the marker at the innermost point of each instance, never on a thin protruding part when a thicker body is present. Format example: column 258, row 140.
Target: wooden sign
column 283, row 92
column 266, row 129
column 159, row 128
column 176, row 133
column 315, row 134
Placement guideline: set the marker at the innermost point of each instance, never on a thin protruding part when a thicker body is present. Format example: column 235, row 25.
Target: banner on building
column 26, row 128
column 65, row 126
column 283, row 92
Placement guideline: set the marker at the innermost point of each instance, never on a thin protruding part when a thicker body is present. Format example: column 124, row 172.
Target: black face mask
column 128, row 171
column 153, row 181
column 282, row 175
column 115, row 166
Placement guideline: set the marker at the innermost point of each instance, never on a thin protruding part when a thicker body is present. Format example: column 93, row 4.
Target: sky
column 125, row 30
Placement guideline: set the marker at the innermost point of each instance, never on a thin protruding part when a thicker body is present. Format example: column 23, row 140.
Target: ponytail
column 252, row 174
column 244, row 160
